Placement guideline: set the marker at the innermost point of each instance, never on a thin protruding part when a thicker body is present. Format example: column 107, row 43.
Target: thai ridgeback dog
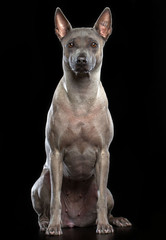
column 72, row 189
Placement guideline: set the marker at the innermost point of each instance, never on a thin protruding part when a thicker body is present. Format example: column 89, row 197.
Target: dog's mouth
column 81, row 69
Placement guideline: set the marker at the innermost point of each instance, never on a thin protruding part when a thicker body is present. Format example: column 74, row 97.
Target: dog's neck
column 82, row 88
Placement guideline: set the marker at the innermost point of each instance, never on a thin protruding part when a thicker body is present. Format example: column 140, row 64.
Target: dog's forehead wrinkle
column 83, row 33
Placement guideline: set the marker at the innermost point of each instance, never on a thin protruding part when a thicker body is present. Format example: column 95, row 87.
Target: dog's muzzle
column 81, row 63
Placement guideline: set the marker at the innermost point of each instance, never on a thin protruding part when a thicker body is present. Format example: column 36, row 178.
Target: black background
column 134, row 78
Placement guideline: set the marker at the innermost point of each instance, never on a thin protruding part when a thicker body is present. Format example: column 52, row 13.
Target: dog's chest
column 80, row 130
column 79, row 140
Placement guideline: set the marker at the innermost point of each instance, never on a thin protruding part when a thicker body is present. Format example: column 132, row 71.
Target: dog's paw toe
column 56, row 230
column 43, row 224
column 104, row 228
column 121, row 222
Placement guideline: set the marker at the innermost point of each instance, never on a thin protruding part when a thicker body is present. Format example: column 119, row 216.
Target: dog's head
column 83, row 47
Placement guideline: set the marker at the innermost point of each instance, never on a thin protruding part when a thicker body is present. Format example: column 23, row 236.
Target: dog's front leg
column 102, row 169
column 56, row 175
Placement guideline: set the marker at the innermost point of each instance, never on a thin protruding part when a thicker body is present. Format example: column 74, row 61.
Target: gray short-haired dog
column 72, row 189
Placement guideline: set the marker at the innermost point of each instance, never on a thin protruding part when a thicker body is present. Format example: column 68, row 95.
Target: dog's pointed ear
column 103, row 24
column 62, row 25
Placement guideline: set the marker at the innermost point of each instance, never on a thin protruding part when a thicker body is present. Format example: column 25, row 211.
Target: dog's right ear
column 62, row 25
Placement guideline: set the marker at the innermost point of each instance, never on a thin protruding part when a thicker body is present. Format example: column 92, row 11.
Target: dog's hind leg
column 40, row 195
column 116, row 221
column 110, row 203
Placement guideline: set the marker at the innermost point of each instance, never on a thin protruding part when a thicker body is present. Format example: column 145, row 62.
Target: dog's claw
column 104, row 229
column 54, row 231
column 43, row 223
column 120, row 222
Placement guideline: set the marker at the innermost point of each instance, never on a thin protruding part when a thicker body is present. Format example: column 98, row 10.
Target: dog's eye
column 70, row 45
column 93, row 45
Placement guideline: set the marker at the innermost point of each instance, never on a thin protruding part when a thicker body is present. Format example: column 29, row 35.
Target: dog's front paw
column 54, row 230
column 104, row 228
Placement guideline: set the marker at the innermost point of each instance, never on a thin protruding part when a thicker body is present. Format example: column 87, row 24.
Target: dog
column 72, row 189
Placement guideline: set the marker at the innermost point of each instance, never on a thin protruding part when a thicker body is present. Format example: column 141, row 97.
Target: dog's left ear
column 62, row 25
column 103, row 24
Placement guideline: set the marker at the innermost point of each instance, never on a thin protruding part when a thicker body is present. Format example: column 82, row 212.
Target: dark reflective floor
column 133, row 233
column 90, row 234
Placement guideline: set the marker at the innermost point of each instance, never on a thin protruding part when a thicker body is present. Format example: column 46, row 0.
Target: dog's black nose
column 81, row 60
